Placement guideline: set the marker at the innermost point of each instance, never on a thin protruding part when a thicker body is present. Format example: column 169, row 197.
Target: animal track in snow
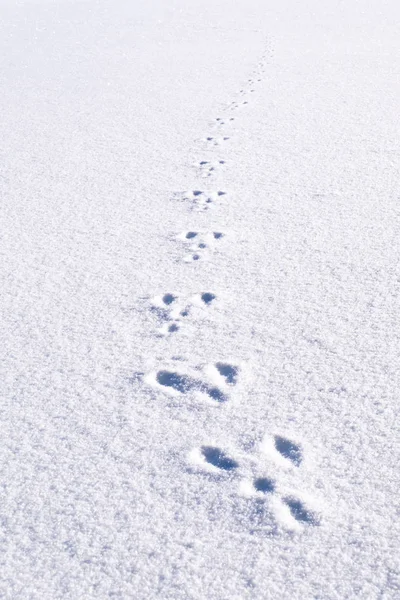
column 264, row 485
column 300, row 512
column 236, row 105
column 199, row 244
column 176, row 382
column 207, row 298
column 218, row 459
column 216, row 141
column 212, row 459
column 283, row 451
column 291, row 511
column 220, row 121
column 205, row 381
column 209, row 168
column 229, row 372
column 270, row 506
column 289, row 450
column 173, row 310
column 201, row 200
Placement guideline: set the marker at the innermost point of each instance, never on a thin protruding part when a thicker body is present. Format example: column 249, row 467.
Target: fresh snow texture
column 199, row 234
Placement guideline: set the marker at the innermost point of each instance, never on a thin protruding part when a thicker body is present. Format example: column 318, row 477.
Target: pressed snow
column 200, row 334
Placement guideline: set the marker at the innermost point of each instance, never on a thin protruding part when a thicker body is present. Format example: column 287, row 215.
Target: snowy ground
column 199, row 240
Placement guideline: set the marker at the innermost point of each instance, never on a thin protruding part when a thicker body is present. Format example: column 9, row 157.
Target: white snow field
column 200, row 332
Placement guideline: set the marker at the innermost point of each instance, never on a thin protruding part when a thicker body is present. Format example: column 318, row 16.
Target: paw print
column 199, row 245
column 293, row 510
column 202, row 200
column 213, row 383
column 270, row 504
column 173, row 310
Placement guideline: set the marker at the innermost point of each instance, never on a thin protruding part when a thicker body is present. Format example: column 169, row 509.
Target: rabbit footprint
column 206, row 381
column 209, row 168
column 172, row 309
column 201, row 200
column 199, row 244
column 213, row 459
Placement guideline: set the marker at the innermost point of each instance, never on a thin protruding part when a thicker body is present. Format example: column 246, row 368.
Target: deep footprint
column 229, row 372
column 207, row 297
column 180, row 383
column 265, row 485
column 185, row 384
column 300, row 512
column 169, row 299
column 214, row 393
column 289, row 450
column 217, row 458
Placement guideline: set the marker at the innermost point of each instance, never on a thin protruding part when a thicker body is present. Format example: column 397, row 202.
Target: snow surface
column 199, row 238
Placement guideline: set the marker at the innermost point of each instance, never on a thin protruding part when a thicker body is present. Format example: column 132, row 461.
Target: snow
column 199, row 241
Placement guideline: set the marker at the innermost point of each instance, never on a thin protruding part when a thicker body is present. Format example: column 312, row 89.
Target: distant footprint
column 201, row 200
column 199, row 244
column 173, row 310
column 209, row 168
column 237, row 105
column 220, row 121
column 215, row 141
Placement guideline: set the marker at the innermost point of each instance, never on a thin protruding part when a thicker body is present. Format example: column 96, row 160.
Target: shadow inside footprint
column 169, row 299
column 180, row 383
column 300, row 512
column 289, row 450
column 185, row 384
column 228, row 371
column 215, row 394
column 191, row 234
column 217, row 458
column 207, row 297
column 265, row 485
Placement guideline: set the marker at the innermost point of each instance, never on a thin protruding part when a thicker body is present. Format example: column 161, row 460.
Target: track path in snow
column 199, row 275
column 186, row 382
